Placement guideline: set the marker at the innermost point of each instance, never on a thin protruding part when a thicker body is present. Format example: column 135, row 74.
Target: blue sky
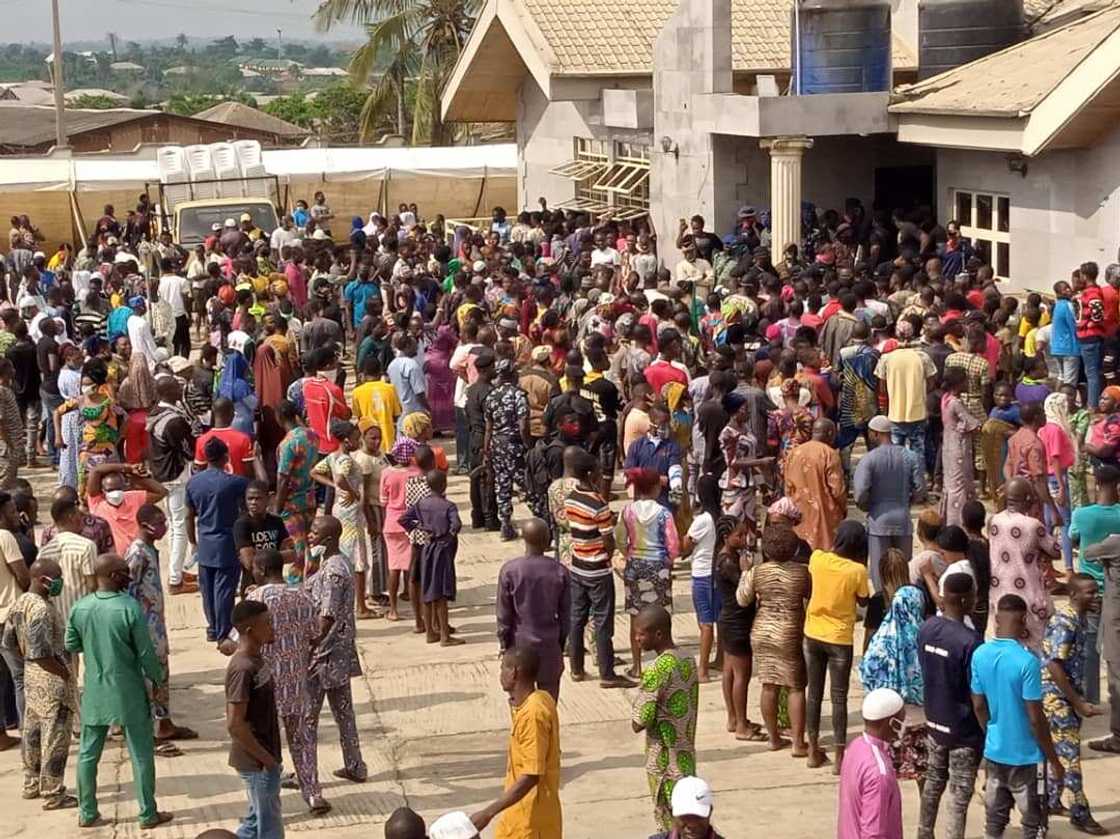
column 147, row 19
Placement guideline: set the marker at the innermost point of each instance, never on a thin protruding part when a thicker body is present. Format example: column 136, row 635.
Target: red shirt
column 661, row 372
column 322, row 401
column 992, row 350
column 240, row 450
column 1111, row 298
column 1093, row 320
column 830, row 308
column 976, row 298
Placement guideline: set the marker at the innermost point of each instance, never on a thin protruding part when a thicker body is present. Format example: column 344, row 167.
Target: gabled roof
column 588, row 39
column 22, row 125
column 1057, row 90
column 243, row 116
column 1013, row 81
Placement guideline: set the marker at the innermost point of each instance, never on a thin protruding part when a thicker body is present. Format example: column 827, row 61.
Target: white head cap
column 880, row 423
column 692, row 797
column 881, row 704
column 455, row 825
column 230, row 223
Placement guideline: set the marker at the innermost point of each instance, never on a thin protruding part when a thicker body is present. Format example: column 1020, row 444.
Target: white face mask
column 115, row 497
column 318, row 551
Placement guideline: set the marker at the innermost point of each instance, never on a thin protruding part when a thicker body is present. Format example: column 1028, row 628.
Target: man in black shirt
column 603, row 395
column 259, row 530
column 955, row 739
column 24, row 359
column 484, row 512
column 50, row 362
column 711, row 418
column 570, row 416
column 254, row 728
column 170, row 453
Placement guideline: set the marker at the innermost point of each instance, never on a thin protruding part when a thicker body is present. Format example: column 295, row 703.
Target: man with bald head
column 109, row 629
column 34, row 631
column 534, row 605
column 1022, row 551
column 335, row 658
column 815, row 482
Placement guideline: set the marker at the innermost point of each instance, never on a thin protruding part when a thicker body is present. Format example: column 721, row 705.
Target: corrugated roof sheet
column 243, row 116
column 22, row 125
column 1014, row 80
column 587, row 38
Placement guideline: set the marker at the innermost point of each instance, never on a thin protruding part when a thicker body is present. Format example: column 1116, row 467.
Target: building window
column 592, row 152
column 985, row 220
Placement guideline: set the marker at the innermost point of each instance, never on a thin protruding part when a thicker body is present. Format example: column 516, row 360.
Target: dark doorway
column 905, row 187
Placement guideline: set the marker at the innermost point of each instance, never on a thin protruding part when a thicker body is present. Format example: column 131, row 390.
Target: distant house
column 239, row 115
column 27, row 93
column 97, row 92
column 126, row 67
column 279, row 69
column 324, row 73
column 31, row 129
column 178, row 70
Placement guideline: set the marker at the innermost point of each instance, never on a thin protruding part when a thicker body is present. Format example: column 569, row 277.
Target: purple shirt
column 870, row 804
column 534, row 601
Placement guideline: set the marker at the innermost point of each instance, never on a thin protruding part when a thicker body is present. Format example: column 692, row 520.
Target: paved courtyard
column 434, row 723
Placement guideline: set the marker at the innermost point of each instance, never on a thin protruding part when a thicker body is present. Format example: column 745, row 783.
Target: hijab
column 233, row 384
column 891, row 660
column 851, row 540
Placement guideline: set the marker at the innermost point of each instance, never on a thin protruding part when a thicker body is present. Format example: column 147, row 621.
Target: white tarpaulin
column 96, row 173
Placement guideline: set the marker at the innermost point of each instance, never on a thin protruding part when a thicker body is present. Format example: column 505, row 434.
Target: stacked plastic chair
column 252, row 166
column 173, row 169
column 201, row 165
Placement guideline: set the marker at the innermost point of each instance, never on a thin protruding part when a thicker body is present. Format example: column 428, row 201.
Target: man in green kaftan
column 108, row 628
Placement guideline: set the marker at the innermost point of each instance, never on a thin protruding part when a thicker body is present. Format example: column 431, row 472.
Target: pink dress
column 441, row 381
column 397, row 544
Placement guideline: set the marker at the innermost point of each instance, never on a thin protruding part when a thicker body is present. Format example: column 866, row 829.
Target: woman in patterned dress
column 392, row 491
column 340, row 471
column 646, row 536
column 70, row 387
column 1079, row 421
column 957, row 461
column 790, row 425
column 100, row 421
column 781, row 587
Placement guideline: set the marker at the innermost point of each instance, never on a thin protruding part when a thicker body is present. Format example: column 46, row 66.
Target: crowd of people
column 751, row 406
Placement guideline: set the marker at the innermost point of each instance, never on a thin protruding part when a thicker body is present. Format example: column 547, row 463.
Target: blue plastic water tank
column 840, row 46
column 955, row 32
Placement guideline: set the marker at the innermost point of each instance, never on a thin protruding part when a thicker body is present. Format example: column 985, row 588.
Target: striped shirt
column 75, row 556
column 589, row 522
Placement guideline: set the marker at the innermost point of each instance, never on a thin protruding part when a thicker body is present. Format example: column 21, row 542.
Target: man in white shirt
column 283, row 235
column 174, row 291
column 140, row 331
column 463, row 368
column 603, row 253
column 692, row 267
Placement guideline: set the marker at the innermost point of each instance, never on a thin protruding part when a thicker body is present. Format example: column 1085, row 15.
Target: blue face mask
column 54, row 587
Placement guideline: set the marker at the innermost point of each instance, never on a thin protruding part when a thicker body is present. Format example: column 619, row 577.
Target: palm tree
column 422, row 40
column 181, row 41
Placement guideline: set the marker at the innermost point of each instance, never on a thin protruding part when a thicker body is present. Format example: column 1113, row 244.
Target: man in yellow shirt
column 377, row 399
column 530, row 805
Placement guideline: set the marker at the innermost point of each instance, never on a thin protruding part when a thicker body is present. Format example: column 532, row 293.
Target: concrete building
column 675, row 110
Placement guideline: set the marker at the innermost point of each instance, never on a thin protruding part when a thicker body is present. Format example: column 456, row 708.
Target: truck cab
column 193, row 221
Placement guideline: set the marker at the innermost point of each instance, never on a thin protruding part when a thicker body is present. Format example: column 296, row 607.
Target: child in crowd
column 438, row 520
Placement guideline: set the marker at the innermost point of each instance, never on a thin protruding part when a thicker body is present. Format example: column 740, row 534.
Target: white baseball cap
column 230, row 223
column 456, row 825
column 692, row 797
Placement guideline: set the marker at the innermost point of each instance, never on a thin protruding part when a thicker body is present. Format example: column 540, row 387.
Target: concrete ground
column 434, row 723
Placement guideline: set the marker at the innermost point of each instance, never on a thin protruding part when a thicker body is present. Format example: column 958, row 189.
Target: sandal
column 179, row 732
column 347, row 775
column 60, row 802
column 168, row 749
column 1106, row 744
column 160, row 818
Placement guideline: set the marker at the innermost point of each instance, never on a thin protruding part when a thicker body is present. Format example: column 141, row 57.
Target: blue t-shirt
column 1090, row 525
column 1008, row 675
column 356, row 294
column 215, row 497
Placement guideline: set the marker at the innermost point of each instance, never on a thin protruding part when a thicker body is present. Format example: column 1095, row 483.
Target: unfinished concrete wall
column 692, row 55
column 1064, row 212
column 546, row 132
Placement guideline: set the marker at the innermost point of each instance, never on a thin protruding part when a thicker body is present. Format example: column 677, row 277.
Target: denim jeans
column 1064, row 515
column 1091, row 354
column 265, row 820
column 50, row 401
column 593, row 598
column 1092, row 657
column 955, row 768
column 14, row 661
column 836, row 659
column 1007, row 786
column 912, row 435
column 177, row 521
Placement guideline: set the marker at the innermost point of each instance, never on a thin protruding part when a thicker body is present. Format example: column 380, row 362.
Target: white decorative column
column 785, row 190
